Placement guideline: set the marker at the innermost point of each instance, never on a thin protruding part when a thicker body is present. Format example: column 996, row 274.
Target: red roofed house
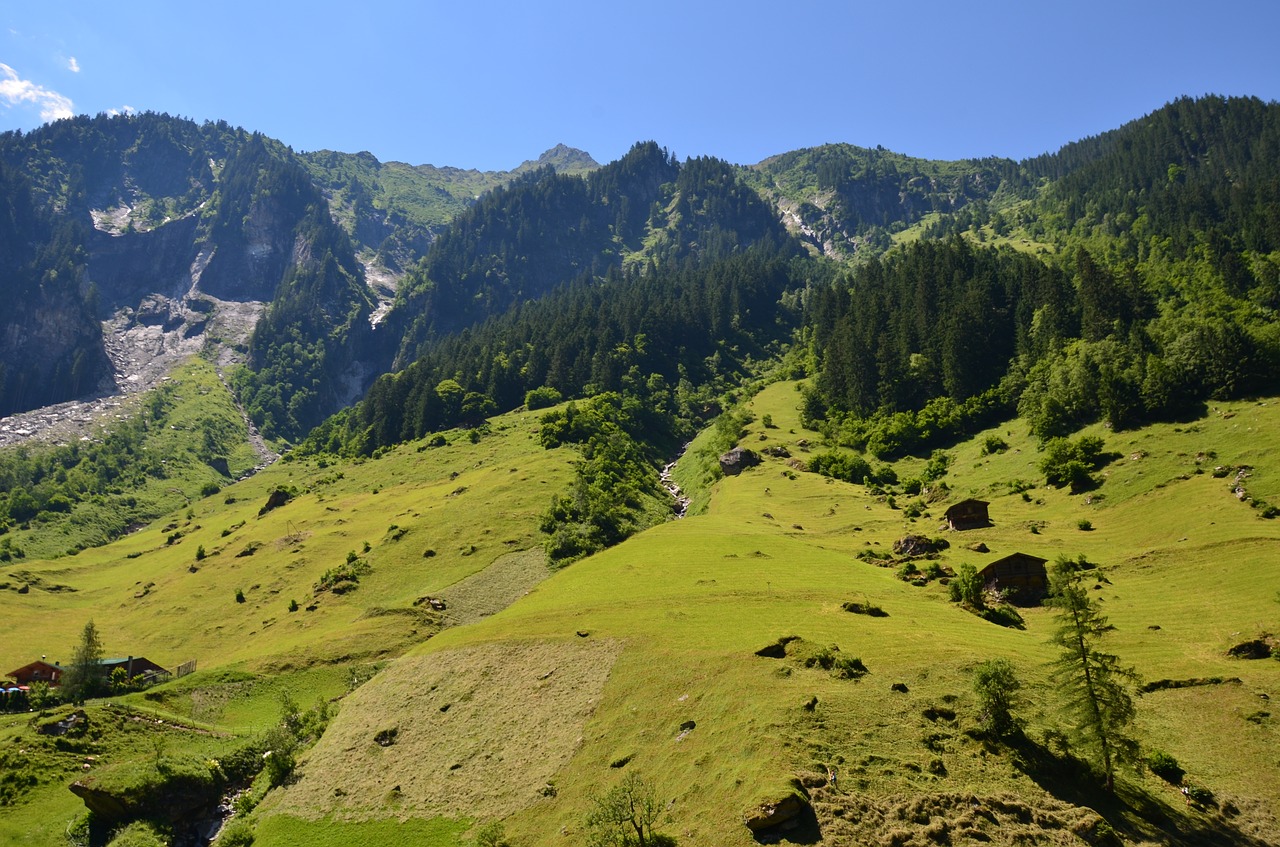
column 38, row 671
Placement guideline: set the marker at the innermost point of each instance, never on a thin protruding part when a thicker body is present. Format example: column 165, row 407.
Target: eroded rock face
column 776, row 814
column 175, row 799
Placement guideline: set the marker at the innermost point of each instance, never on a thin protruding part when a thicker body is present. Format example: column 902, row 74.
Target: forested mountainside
column 1119, row 233
column 1084, row 321
column 1160, row 293
column 844, row 199
column 166, row 219
column 51, row 347
column 393, row 210
column 521, row 241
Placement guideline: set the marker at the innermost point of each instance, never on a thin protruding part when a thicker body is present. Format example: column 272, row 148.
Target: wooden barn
column 968, row 514
column 134, row 667
column 37, row 671
column 1022, row 575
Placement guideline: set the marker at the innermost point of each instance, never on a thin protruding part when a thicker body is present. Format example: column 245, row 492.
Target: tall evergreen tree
column 83, row 678
column 1093, row 683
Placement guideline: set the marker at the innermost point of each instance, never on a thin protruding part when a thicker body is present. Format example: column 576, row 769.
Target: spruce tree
column 83, row 678
column 1093, row 683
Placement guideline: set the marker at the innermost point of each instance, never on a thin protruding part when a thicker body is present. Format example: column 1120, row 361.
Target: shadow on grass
column 1132, row 812
column 802, row 829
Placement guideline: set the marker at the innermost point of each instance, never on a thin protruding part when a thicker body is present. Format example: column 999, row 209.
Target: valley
column 372, row 465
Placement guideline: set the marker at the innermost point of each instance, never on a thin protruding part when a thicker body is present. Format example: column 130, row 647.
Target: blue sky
column 489, row 84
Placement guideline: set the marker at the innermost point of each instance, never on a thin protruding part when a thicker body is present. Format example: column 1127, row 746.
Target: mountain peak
column 564, row 159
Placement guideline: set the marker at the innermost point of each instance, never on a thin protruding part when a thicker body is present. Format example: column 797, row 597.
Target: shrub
column 1165, row 766
column 997, row 688
column 966, row 588
column 344, row 577
column 1084, row 525
column 542, row 398
column 937, row 466
column 239, row 595
column 841, row 466
column 886, row 475
column 238, row 833
column 1068, row 463
column 280, row 757
column 993, row 444
column 492, row 834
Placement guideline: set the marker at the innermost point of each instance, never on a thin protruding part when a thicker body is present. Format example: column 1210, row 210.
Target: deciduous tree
column 625, row 816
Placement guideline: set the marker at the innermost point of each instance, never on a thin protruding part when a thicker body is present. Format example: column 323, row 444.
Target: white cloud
column 123, row 110
column 73, row 65
column 14, row 91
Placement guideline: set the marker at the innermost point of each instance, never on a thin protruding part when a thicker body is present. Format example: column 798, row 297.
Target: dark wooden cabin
column 1021, row 574
column 968, row 514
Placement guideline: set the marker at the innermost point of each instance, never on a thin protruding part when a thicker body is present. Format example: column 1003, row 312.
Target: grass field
column 643, row 658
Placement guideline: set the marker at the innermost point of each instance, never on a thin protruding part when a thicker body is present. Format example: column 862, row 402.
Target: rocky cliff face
column 155, row 238
column 50, row 348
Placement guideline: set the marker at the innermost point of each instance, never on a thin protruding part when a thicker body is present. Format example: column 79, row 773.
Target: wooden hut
column 1021, row 574
column 968, row 514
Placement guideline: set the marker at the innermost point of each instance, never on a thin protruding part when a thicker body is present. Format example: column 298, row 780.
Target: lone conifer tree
column 1094, row 684
column 83, row 677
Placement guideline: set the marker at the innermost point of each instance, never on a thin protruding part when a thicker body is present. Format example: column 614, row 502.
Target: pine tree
column 83, row 678
column 1093, row 683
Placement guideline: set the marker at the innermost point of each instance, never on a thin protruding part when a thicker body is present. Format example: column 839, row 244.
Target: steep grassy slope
column 430, row 517
column 159, row 452
column 676, row 615
column 598, row 671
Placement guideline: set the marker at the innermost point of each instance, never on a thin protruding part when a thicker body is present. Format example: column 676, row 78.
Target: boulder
column 918, row 545
column 277, row 499
column 737, row 460
column 776, row 813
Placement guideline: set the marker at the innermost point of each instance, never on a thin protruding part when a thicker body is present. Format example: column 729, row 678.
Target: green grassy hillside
column 674, row 618
column 457, row 522
column 643, row 659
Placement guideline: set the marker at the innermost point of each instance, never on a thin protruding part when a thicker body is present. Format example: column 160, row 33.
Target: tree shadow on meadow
column 1134, row 813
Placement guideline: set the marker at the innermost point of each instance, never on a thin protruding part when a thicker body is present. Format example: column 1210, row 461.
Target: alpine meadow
column 845, row 498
